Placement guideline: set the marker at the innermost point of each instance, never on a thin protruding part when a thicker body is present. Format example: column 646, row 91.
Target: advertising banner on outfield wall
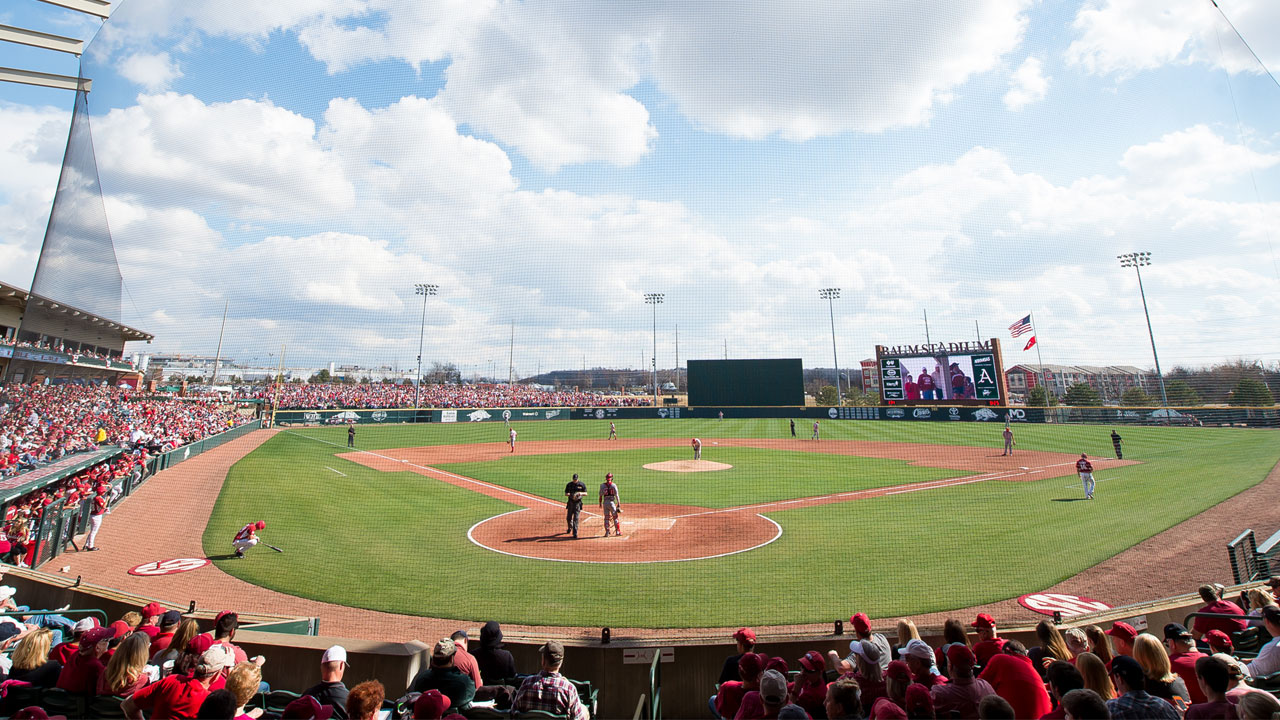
column 965, row 414
column 342, row 417
column 499, row 415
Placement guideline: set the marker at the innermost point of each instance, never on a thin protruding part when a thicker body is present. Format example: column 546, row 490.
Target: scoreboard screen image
column 958, row 378
column 746, row 382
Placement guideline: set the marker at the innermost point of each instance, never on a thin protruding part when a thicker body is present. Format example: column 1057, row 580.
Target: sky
column 547, row 163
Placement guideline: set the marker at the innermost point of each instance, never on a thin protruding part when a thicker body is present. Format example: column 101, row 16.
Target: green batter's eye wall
column 746, row 382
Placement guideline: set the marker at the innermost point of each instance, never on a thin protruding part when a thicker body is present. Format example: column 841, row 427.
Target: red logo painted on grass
column 169, row 567
column 1068, row 605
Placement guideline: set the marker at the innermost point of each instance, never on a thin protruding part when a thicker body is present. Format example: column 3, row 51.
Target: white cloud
column 249, row 158
column 153, row 71
column 1126, row 36
column 32, row 140
column 1027, row 85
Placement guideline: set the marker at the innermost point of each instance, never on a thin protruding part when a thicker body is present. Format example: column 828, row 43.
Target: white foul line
column 326, row 467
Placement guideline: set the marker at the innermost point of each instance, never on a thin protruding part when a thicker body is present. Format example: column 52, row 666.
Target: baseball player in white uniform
column 697, row 449
column 611, row 504
column 613, row 431
column 512, row 439
column 1085, row 468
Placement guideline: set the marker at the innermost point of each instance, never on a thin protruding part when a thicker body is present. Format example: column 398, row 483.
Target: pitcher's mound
column 687, row 466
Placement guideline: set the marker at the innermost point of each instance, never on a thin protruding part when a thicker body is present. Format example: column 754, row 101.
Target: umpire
column 574, row 491
column 1115, row 442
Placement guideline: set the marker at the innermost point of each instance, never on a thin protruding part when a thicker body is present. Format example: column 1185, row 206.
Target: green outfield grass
column 397, row 541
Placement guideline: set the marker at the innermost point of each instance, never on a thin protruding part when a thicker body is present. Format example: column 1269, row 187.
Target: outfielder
column 574, row 491
column 611, row 505
column 1085, row 468
column 1008, row 441
column 613, row 431
column 1115, row 442
column 697, row 449
column 815, row 430
column 247, row 537
column 512, row 439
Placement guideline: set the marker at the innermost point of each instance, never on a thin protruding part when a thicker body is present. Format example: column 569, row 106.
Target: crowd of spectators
column 76, row 353
column 158, row 664
column 42, row 424
column 1119, row 673
column 379, row 396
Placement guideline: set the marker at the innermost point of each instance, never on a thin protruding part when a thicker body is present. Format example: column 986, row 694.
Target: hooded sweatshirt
column 495, row 663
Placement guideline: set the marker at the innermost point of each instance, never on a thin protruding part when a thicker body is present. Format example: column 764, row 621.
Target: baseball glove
column 577, row 496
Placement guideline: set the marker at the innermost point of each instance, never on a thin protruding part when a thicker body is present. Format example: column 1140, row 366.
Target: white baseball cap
column 7, row 591
column 337, row 653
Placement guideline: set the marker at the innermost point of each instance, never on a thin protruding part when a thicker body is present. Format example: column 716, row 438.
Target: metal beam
column 38, row 39
column 101, row 8
column 49, row 80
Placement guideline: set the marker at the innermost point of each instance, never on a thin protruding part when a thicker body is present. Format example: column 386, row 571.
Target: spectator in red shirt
column 1214, row 603
column 919, row 702
column 768, row 700
column 920, row 660
column 151, row 613
column 964, row 692
column 1219, row 642
column 168, row 626
column 1122, row 637
column 728, row 699
column 463, row 660
column 307, row 708
column 126, row 671
column 989, row 642
column 80, row 675
column 1182, row 658
column 62, row 652
column 809, row 690
column 179, row 697
column 1014, row 679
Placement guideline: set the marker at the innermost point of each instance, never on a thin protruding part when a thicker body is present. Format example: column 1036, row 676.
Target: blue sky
column 547, row 163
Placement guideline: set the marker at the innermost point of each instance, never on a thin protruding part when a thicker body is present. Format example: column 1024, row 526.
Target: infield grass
column 396, row 541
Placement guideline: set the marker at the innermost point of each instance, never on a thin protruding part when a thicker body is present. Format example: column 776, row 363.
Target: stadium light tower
column 425, row 291
column 655, row 299
column 830, row 295
column 1137, row 260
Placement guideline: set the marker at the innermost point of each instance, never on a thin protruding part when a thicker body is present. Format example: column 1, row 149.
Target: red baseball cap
column 307, row 708
column 430, row 705
column 96, row 635
column 261, row 525
column 898, row 670
column 750, row 665
column 120, row 628
column 778, row 664
column 152, row 610
column 813, row 661
column 984, row 620
column 861, row 623
column 1217, row 638
column 959, row 655
column 919, row 701
column 746, row 634
column 199, row 644
column 1122, row 630
column 218, row 618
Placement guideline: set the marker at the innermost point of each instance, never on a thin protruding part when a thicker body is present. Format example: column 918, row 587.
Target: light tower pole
column 654, row 299
column 425, row 290
column 1137, row 260
column 832, row 294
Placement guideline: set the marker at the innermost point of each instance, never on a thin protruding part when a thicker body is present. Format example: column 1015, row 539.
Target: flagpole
column 1044, row 381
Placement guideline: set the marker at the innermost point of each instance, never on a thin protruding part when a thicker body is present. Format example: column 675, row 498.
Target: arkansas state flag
column 1030, row 343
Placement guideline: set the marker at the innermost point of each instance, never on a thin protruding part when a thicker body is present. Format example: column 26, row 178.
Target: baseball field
column 444, row 521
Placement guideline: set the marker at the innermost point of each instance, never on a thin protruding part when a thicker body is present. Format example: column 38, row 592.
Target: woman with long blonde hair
column 1161, row 682
column 906, row 631
column 127, row 669
column 31, row 662
column 1052, row 647
column 167, row 659
column 1096, row 677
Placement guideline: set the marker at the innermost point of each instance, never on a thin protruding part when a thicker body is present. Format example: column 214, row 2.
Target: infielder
column 96, row 513
column 1008, row 441
column 697, row 449
column 1115, row 443
column 574, row 491
column 613, row 431
column 815, row 430
column 1085, row 468
column 247, row 537
column 512, row 439
column 611, row 505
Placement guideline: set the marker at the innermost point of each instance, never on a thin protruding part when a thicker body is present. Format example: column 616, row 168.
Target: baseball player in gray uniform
column 611, row 504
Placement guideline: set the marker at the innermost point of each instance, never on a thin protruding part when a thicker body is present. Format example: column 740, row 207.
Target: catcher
column 575, row 491
column 611, row 505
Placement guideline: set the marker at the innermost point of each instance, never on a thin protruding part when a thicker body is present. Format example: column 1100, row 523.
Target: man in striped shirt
column 549, row 690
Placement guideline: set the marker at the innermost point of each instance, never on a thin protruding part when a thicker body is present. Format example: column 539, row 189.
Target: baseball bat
column 273, row 547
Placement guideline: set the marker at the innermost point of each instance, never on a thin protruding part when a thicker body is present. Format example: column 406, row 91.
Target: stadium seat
column 588, row 695
column 1270, row 683
column 275, row 701
column 105, row 706
column 484, row 712
column 20, row 696
column 60, row 702
column 1247, row 642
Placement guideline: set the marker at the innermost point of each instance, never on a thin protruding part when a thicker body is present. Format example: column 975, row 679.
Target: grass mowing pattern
column 397, row 541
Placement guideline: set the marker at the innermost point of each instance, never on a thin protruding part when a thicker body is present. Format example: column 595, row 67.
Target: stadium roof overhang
column 17, row 297
column 56, row 43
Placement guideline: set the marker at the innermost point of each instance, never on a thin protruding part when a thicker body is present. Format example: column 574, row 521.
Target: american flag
column 1020, row 328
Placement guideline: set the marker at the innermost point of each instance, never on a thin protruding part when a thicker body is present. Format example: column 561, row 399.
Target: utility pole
column 511, row 359
column 217, row 358
column 654, row 299
column 830, row 295
column 1137, row 260
column 677, row 358
column 425, row 290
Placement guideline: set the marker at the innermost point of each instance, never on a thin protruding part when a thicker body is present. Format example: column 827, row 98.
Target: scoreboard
column 962, row 373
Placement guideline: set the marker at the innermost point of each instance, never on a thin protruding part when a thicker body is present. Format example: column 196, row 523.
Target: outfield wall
column 1249, row 417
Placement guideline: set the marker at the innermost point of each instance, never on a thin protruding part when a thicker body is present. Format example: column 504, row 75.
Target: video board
column 960, row 373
